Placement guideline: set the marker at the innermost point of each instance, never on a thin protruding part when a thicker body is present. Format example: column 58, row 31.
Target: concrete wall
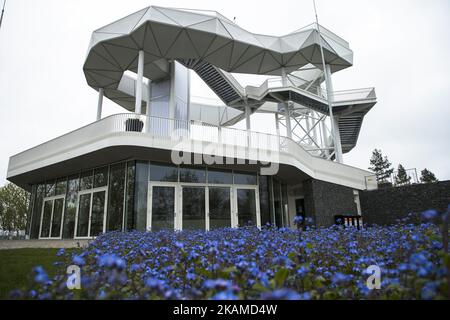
column 386, row 206
column 324, row 201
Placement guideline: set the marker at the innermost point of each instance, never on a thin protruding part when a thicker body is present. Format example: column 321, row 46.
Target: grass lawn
column 16, row 266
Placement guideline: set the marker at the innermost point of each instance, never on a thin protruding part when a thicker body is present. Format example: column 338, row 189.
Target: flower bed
column 248, row 263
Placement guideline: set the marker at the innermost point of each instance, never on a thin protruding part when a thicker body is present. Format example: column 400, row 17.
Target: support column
column 140, row 75
column 149, row 104
column 248, row 123
column 100, row 103
column 287, row 115
column 335, row 127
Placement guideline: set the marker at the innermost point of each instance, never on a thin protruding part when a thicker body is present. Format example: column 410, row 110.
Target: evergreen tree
column 402, row 177
column 428, row 176
column 381, row 166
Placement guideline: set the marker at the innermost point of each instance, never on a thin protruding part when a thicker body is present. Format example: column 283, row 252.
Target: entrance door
column 91, row 213
column 193, row 208
column 162, row 207
column 247, row 207
column 219, row 202
column 52, row 218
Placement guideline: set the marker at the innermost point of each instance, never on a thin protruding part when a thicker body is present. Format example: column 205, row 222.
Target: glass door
column 247, row 207
column 52, row 217
column 219, row 210
column 162, row 207
column 91, row 213
column 193, row 208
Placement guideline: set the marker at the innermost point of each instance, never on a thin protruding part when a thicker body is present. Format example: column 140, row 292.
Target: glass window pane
column 61, row 185
column 71, row 206
column 50, row 189
column 163, row 208
column 57, row 218
column 46, row 219
column 37, row 211
column 83, row 215
column 220, row 176
column 264, row 202
column 130, row 223
column 219, row 208
column 194, row 209
column 277, row 203
column 164, row 173
column 100, row 177
column 193, row 175
column 86, row 180
column 98, row 213
column 246, row 207
column 245, row 178
column 140, row 201
column 116, row 197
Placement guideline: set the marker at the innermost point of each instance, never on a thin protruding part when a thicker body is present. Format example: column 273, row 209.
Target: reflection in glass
column 140, row 200
column 193, row 175
column 277, row 203
column 37, row 211
column 163, row 173
column 46, row 219
column 130, row 223
column 71, row 207
column 116, row 197
column 86, row 180
column 245, row 178
column 220, row 176
column 98, row 212
column 219, row 208
column 61, row 186
column 50, row 189
column 246, row 207
column 163, row 208
column 57, row 218
column 100, row 177
column 264, row 203
column 194, row 209
column 83, row 215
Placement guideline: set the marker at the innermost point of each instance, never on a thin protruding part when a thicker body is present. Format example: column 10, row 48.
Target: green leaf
column 280, row 277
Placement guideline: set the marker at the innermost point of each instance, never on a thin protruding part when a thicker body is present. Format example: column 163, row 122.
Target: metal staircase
column 215, row 79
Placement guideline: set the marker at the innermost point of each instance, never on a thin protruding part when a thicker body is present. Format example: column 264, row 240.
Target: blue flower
column 430, row 214
column 78, row 260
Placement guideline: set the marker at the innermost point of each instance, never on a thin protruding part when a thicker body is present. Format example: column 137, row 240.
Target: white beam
column 140, row 76
column 334, row 125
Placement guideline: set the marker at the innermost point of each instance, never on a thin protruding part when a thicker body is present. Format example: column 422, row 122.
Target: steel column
column 100, row 103
column 140, row 76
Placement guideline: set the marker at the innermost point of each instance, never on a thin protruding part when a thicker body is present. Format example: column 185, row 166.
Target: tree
column 427, row 176
column 402, row 177
column 13, row 208
column 381, row 166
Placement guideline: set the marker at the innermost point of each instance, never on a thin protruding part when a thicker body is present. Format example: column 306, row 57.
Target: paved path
column 21, row 244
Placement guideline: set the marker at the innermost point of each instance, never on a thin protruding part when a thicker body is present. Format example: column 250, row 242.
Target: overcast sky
column 400, row 47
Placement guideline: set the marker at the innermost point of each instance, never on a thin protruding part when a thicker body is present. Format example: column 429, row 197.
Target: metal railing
column 167, row 133
column 392, row 180
column 297, row 84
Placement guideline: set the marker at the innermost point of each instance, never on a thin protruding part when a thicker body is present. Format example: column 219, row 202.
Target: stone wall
column 386, row 206
column 324, row 201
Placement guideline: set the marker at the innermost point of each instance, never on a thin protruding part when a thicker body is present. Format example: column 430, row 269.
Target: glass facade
column 116, row 197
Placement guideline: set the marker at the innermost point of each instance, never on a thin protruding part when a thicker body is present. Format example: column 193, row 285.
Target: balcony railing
column 167, row 133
